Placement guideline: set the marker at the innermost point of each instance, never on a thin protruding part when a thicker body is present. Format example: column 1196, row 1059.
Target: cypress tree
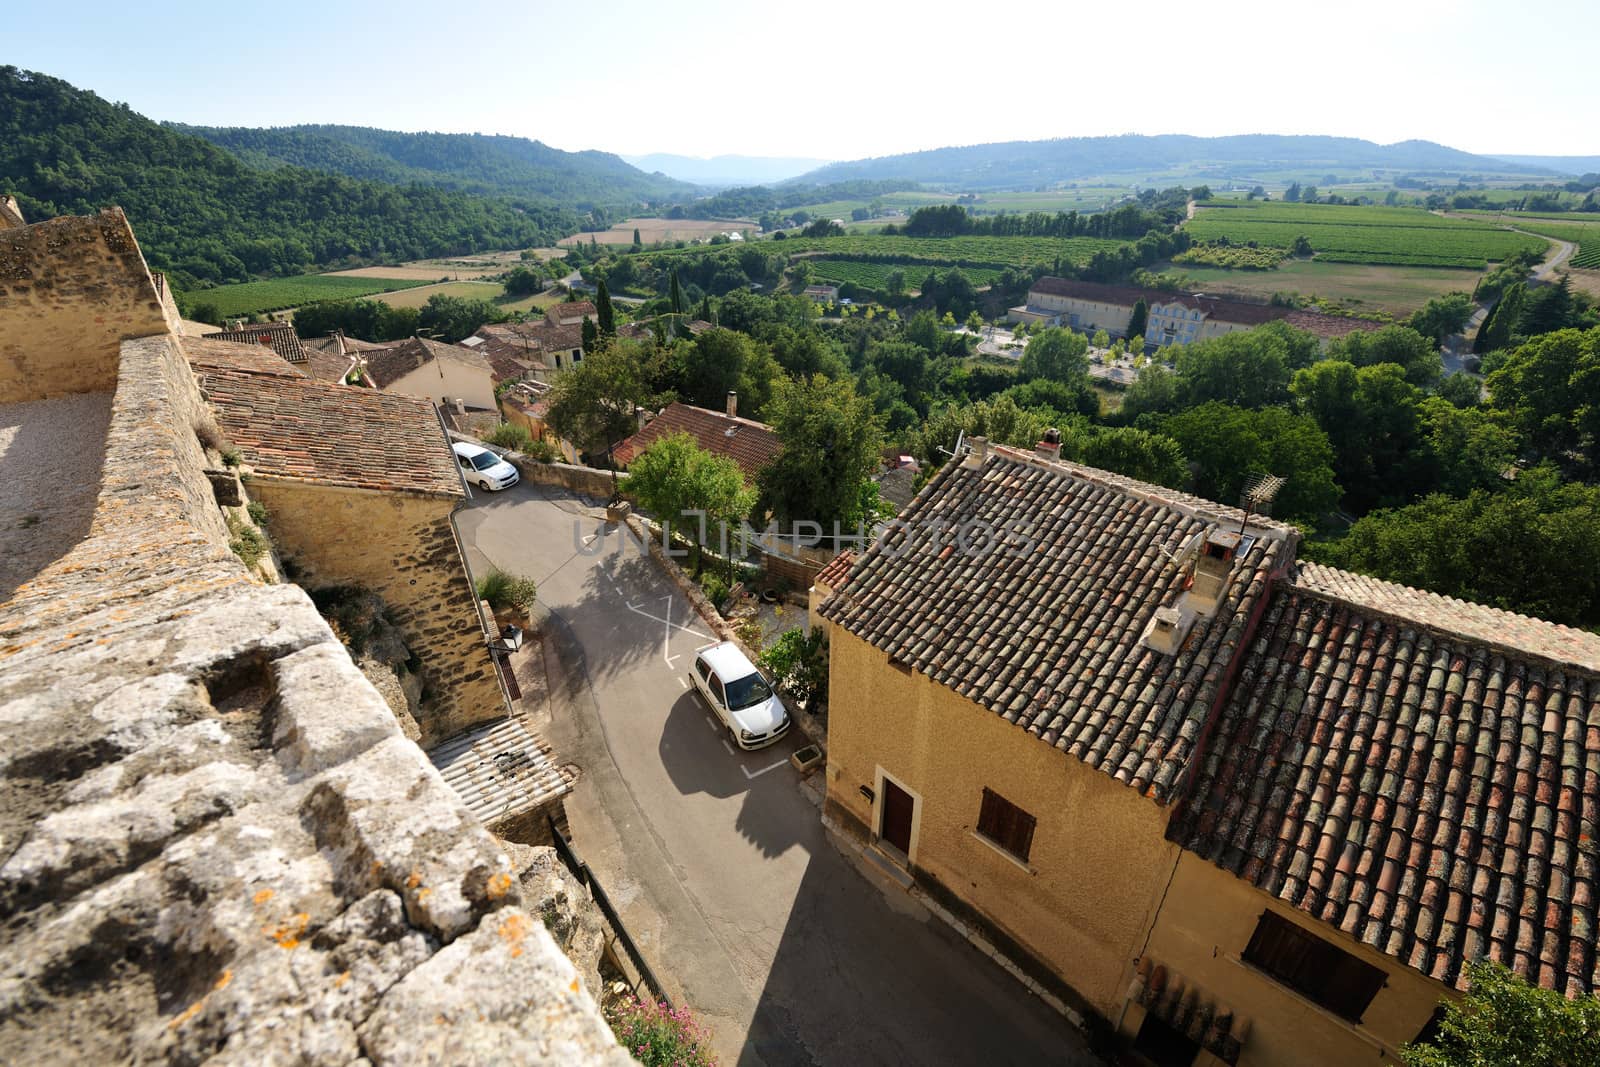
column 705, row 309
column 676, row 295
column 636, row 236
column 607, row 316
column 1139, row 319
column 591, row 336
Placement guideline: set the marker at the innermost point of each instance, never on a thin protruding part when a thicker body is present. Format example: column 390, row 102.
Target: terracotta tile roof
column 1430, row 793
column 572, row 311
column 750, row 444
column 303, row 430
column 837, row 569
column 1045, row 630
column 393, row 362
column 324, row 360
column 1219, row 309
column 229, row 355
column 279, row 335
column 1461, row 618
column 529, row 340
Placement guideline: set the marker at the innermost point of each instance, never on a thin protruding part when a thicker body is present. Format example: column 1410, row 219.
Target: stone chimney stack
column 1212, row 570
column 733, row 404
column 979, row 451
column 640, row 416
column 458, row 405
column 1050, row 446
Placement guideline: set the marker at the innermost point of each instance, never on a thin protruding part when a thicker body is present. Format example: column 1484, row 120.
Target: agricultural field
column 995, row 252
column 1381, row 235
column 277, row 294
column 1397, row 290
column 876, row 275
column 657, row 231
column 418, row 296
column 1084, row 200
column 1585, row 233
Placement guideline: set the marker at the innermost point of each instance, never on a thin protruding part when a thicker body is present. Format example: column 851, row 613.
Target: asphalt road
column 715, row 858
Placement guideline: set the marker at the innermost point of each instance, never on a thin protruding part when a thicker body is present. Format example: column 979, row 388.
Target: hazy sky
column 842, row 80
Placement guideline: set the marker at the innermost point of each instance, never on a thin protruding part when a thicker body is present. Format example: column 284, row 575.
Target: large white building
column 1175, row 318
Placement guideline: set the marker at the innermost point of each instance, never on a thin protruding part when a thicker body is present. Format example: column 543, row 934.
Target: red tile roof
column 229, row 355
column 837, row 569
column 750, row 444
column 1045, row 630
column 1417, row 772
column 572, row 311
column 298, row 429
column 393, row 362
column 279, row 335
column 1218, row 309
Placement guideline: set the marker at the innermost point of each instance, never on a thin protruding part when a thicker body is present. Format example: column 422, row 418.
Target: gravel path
column 50, row 457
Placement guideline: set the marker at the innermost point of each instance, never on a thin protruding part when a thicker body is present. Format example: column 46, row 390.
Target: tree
column 522, row 281
column 1301, row 247
column 1101, row 339
column 1401, row 345
column 675, row 476
column 1155, row 390
column 1505, row 1020
column 1443, row 316
column 1457, row 547
column 720, row 361
column 1227, row 444
column 1292, row 194
column 450, row 318
column 1462, row 390
column 1249, row 369
column 1149, row 457
column 1057, row 354
column 1308, row 195
column 1502, row 319
column 590, row 334
column 1464, row 448
column 894, row 283
column 676, row 297
column 1139, row 319
column 831, row 440
column 592, row 404
column 975, row 321
column 705, row 314
column 1549, row 390
column 604, row 311
column 637, row 244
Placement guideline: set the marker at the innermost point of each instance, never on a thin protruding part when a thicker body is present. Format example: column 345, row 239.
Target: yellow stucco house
column 1241, row 808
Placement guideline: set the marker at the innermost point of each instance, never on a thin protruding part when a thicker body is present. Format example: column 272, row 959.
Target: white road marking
column 757, row 774
column 683, row 683
column 711, row 722
column 666, row 636
column 675, row 625
column 590, row 540
column 729, row 748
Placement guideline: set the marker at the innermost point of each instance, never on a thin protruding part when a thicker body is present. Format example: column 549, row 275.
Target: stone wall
column 71, row 290
column 402, row 547
column 589, row 481
column 217, row 845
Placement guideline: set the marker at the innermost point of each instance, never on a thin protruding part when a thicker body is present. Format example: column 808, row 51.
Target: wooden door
column 896, row 820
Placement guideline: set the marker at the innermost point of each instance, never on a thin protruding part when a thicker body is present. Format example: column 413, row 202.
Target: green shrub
column 504, row 590
column 231, row 457
column 715, row 588
column 516, row 438
column 749, row 631
column 247, row 542
column 542, row 452
column 799, row 662
column 659, row 1036
column 257, row 512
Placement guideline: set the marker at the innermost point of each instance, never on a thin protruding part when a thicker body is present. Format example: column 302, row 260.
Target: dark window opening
column 1163, row 1045
column 1430, row 1029
column 1311, row 966
column 1006, row 825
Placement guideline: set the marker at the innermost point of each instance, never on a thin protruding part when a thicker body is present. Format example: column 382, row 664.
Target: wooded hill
column 203, row 215
column 1030, row 164
column 469, row 162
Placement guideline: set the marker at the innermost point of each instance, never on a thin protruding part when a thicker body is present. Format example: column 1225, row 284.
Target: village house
column 278, row 336
column 1174, row 318
column 535, row 349
column 572, row 313
column 337, row 358
column 431, row 370
column 822, row 294
column 750, row 444
column 1242, row 808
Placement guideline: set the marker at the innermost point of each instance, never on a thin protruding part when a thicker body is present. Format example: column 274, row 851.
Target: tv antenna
column 1258, row 494
column 960, row 443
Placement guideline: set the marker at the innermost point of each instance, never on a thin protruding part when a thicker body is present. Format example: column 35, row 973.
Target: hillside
column 205, row 216
column 722, row 172
column 1030, row 164
column 469, row 162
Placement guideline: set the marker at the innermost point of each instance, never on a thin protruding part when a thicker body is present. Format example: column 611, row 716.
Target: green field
column 840, row 209
column 996, row 252
column 1396, row 290
column 1083, row 200
column 876, row 275
column 1585, row 233
column 276, row 294
column 1384, row 235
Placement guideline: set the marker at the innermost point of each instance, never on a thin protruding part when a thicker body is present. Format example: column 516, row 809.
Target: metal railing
column 597, row 893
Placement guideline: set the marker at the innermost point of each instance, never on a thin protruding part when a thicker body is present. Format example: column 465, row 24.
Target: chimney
column 733, row 404
column 978, row 452
column 1050, row 447
column 458, row 405
column 641, row 416
column 1166, row 630
column 1208, row 583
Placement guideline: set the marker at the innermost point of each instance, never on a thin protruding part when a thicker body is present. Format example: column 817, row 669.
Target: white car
column 739, row 695
column 483, row 468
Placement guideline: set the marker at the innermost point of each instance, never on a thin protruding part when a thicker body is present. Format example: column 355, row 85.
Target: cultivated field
column 415, row 298
column 876, row 275
column 655, row 231
column 1585, row 233
column 1398, row 236
column 995, row 252
column 276, row 294
column 1397, row 290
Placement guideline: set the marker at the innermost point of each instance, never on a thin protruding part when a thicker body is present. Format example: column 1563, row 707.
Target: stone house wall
column 71, row 290
column 402, row 547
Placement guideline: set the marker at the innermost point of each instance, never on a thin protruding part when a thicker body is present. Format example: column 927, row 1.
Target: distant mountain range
column 1576, row 165
column 721, row 172
column 469, row 162
column 1030, row 164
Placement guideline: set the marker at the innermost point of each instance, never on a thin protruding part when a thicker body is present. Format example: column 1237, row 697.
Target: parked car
column 739, row 695
column 483, row 468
